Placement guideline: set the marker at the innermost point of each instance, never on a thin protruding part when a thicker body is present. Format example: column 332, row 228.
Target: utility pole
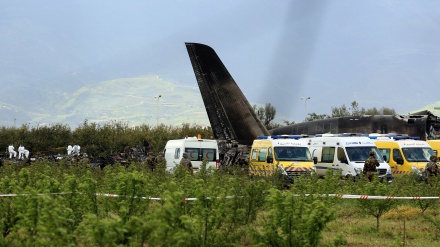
column 158, row 109
column 305, row 106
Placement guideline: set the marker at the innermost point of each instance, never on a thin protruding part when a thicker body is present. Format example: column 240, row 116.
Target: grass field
column 402, row 226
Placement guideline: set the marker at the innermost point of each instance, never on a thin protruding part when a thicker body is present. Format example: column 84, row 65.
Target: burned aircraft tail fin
column 230, row 114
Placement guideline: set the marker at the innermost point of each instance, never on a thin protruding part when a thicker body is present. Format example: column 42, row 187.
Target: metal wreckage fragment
column 422, row 124
column 233, row 121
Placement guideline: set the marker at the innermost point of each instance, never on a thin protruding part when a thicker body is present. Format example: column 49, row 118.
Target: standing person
column 370, row 166
column 20, row 152
column 126, row 152
column 12, row 152
column 185, row 162
column 431, row 168
column 159, row 159
column 75, row 150
column 25, row 153
column 150, row 161
column 69, row 150
column 159, row 162
column 147, row 146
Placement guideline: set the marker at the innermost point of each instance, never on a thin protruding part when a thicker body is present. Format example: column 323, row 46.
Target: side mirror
column 385, row 158
column 269, row 159
column 315, row 160
column 399, row 161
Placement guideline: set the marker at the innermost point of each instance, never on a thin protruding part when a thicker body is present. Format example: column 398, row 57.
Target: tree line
column 96, row 139
column 267, row 113
column 111, row 138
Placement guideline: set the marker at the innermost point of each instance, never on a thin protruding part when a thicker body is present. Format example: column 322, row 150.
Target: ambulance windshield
column 292, row 154
column 417, row 154
column 360, row 154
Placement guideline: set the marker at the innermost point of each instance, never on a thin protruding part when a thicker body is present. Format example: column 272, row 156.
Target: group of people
column 153, row 160
column 432, row 168
column 22, row 152
column 73, row 150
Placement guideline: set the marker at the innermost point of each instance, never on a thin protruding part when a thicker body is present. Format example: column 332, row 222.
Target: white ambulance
column 198, row 150
column 345, row 152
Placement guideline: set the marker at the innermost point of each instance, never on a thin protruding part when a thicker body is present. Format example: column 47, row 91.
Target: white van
column 345, row 152
column 197, row 150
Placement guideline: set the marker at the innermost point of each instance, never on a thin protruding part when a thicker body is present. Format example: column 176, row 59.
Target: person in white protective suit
column 69, row 150
column 12, row 153
column 26, row 153
column 21, row 152
column 76, row 149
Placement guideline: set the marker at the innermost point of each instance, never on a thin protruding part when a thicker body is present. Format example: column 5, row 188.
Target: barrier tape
column 383, row 197
column 39, row 194
column 343, row 196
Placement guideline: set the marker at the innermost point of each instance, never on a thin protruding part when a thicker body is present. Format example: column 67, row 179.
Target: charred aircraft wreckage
column 236, row 125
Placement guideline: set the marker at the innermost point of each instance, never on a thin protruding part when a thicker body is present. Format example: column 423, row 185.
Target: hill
column 434, row 108
column 132, row 100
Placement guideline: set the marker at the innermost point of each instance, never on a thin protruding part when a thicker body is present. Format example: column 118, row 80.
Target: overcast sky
column 378, row 53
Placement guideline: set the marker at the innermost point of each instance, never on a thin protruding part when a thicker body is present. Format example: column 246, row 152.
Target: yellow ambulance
column 403, row 153
column 435, row 145
column 286, row 153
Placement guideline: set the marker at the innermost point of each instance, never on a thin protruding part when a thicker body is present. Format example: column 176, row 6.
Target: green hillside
column 131, row 100
column 434, row 108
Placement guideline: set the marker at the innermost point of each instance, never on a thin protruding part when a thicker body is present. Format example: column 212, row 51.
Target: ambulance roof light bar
column 392, row 136
column 296, row 137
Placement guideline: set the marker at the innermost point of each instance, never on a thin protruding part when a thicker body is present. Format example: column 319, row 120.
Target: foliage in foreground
column 60, row 205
